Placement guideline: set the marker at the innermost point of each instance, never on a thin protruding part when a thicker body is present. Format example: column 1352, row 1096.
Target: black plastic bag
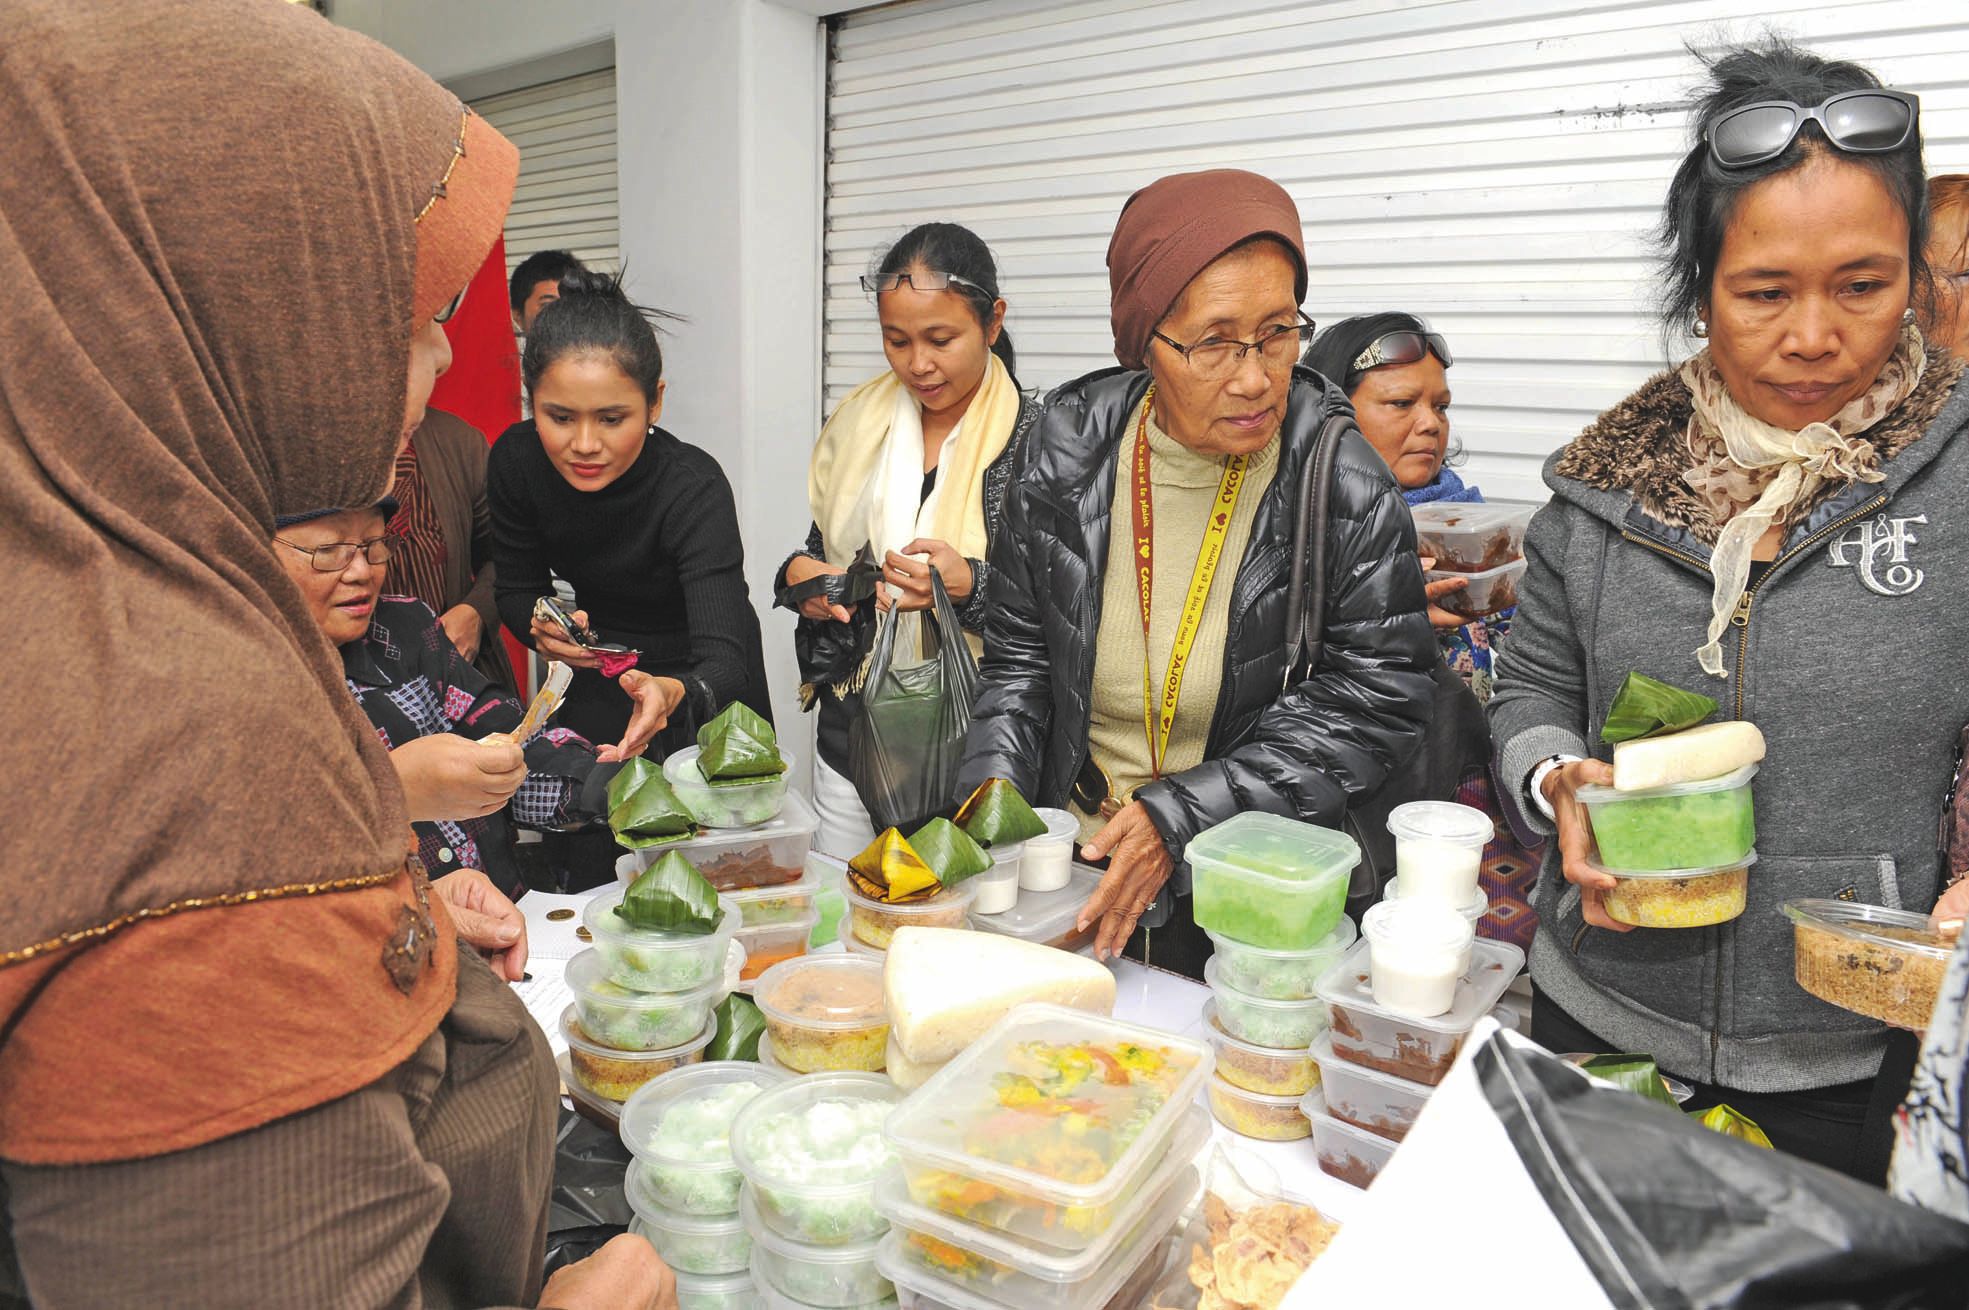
column 830, row 653
column 588, row 1205
column 1666, row 1213
column 907, row 740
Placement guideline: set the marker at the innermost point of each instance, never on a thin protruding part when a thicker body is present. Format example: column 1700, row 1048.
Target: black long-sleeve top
column 656, row 560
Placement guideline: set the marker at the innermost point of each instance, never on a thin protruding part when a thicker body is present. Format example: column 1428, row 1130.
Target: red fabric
column 483, row 384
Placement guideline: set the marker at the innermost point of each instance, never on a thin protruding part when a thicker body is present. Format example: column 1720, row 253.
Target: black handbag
column 1456, row 740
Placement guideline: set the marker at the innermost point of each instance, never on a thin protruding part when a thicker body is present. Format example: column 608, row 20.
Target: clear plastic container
column 1486, row 593
column 1470, row 538
column 1417, row 951
column 1439, row 846
column 1353, row 1155
column 770, row 1060
column 1690, row 825
column 821, row 1276
column 743, row 859
column 875, row 922
column 760, row 907
column 688, row 1243
column 1472, row 909
column 1281, row 1025
column 598, row 1110
column 1420, row 1050
column 960, row 1264
column 1262, row 1069
column 982, row 1140
column 855, row 946
column 678, row 1127
column 726, row 804
column 1048, row 862
column 770, row 1298
column 774, row 943
column 1049, row 917
column 716, row 1292
column 1256, row 1115
column 644, row 960
column 905, row 1072
column 1367, row 1098
column 1885, row 964
column 615, row 1075
column 825, row 1013
column 811, row 1150
column 1268, row 881
column 1678, row 898
column 996, row 890
column 614, row 1016
column 1281, row 975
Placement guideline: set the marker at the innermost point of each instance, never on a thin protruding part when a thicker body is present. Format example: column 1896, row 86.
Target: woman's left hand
column 1140, row 866
column 486, row 920
column 656, row 699
column 911, row 577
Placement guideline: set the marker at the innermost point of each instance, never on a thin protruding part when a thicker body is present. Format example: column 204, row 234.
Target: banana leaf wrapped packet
column 739, row 1026
column 949, row 851
column 642, row 809
column 1731, row 1123
column 1644, row 707
column 1632, row 1073
column 889, row 869
column 997, row 815
column 738, row 747
column 671, row 896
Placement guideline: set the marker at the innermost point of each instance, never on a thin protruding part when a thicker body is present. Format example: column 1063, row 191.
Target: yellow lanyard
column 1159, row 718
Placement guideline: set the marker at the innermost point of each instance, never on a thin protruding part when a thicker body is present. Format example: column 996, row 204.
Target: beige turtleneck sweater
column 1185, row 485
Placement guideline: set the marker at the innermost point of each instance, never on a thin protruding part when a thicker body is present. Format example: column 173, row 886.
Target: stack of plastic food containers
column 682, row 1184
column 1482, row 544
column 1048, row 862
column 1004, row 1200
column 810, row 1152
column 872, row 923
column 1681, row 854
column 1388, row 1044
column 643, row 999
column 1269, row 891
column 1050, row 917
column 824, row 1013
column 726, row 804
column 1439, row 848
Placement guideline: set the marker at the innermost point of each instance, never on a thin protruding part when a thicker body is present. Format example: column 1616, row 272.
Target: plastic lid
column 711, row 1285
column 643, row 1112
column 598, row 916
column 1473, row 909
column 805, row 885
column 1225, row 1087
column 578, row 1040
column 1044, row 916
column 1060, row 826
column 1268, row 848
column 796, row 819
column 829, row 993
column 1876, row 925
column 1441, row 821
column 571, row 1086
column 858, row 948
column 1313, row 1106
column 1423, row 925
column 1663, row 875
column 795, row 1096
column 1492, row 967
column 1327, row 1058
column 1344, row 934
column 962, row 895
column 636, row 1187
column 1217, row 984
column 1218, row 1035
column 770, row 1062
column 805, row 1252
column 681, row 766
column 1467, row 516
column 1476, row 579
column 1594, row 794
column 587, row 976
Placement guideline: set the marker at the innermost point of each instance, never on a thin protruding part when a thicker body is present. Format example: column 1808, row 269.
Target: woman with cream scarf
column 912, row 468
column 1774, row 523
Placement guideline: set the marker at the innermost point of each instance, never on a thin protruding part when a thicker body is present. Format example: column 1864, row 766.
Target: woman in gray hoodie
column 1776, row 522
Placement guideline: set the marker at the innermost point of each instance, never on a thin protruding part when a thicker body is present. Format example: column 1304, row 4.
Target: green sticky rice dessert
column 1697, row 830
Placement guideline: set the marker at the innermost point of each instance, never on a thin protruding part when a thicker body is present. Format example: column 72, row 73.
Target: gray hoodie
column 1849, row 655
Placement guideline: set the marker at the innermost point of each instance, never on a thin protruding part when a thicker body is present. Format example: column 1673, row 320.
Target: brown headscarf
column 213, row 256
column 1171, row 229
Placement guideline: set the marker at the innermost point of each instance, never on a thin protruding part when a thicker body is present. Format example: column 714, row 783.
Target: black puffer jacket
column 1303, row 752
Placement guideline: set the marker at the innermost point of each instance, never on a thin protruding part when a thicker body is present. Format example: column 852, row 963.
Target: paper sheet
column 551, row 922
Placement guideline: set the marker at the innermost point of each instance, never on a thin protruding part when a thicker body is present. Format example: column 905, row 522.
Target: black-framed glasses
column 444, row 315
column 335, row 556
column 923, row 279
column 1868, row 122
column 1403, row 347
column 1213, row 359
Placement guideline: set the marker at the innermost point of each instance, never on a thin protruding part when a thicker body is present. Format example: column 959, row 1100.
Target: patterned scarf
column 1753, row 475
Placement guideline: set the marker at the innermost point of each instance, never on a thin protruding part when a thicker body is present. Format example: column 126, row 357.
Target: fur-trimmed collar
column 1638, row 446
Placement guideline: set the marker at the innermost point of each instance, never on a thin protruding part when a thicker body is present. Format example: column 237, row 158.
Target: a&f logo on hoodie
column 1878, row 548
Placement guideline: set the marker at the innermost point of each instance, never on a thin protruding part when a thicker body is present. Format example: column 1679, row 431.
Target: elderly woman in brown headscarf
column 1157, row 698
column 243, row 1060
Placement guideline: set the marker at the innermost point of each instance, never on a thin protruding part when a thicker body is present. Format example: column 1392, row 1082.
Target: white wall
column 719, row 106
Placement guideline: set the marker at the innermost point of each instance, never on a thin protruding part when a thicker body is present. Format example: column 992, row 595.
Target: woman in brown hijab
column 242, row 1060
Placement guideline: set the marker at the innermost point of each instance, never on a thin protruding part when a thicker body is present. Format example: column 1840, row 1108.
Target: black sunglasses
column 1870, row 122
column 1403, row 347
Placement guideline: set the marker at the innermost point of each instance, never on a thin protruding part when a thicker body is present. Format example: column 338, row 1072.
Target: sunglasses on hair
column 1404, row 347
column 1871, row 122
column 922, row 280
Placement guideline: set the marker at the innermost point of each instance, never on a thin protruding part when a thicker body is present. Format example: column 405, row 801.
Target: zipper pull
column 1741, row 618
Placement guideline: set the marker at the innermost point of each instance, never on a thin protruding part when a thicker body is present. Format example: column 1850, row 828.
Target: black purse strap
column 1305, row 598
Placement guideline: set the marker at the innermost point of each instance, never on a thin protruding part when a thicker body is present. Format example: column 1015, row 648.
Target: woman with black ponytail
column 640, row 524
column 913, row 465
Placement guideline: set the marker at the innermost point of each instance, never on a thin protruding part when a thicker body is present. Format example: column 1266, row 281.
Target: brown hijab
column 213, row 260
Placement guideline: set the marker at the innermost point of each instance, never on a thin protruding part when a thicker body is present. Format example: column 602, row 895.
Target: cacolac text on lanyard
column 1159, row 715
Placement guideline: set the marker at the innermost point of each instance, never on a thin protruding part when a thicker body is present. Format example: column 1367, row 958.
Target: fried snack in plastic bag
column 889, row 869
column 1249, row 1244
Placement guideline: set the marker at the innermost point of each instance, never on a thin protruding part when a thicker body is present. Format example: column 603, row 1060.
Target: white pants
column 845, row 828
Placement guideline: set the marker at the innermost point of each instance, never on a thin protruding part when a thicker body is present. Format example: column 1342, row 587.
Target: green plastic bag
column 738, row 745
column 642, row 810
column 671, row 896
column 739, row 1026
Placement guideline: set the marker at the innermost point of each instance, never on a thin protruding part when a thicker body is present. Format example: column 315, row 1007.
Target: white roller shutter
column 566, row 197
column 1493, row 167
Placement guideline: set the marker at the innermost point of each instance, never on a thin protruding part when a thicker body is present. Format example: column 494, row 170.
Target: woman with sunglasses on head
column 1768, row 523
column 912, row 467
column 1136, row 656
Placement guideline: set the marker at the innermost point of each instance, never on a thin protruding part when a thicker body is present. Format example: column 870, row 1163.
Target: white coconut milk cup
column 1439, row 847
column 1417, row 953
column 1048, row 861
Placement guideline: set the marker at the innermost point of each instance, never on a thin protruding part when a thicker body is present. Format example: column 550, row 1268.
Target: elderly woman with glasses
column 1135, row 654
column 1775, row 522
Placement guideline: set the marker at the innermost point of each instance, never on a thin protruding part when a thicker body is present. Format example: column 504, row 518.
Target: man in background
column 536, row 283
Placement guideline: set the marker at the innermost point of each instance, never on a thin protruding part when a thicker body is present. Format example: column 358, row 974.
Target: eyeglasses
column 922, row 279
column 336, row 555
column 1870, row 122
column 1213, row 360
column 1404, row 347
column 444, row 315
